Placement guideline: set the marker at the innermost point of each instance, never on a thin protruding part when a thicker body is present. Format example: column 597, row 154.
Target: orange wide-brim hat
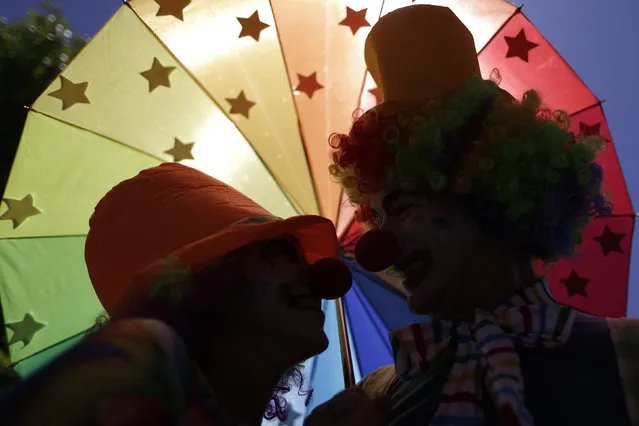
column 176, row 212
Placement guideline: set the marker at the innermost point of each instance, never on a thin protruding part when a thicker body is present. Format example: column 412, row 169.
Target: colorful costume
column 130, row 372
column 149, row 236
column 525, row 179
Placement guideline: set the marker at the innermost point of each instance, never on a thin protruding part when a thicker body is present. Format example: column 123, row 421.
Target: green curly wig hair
column 515, row 165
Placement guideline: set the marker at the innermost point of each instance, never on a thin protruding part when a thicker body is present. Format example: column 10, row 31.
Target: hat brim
column 315, row 234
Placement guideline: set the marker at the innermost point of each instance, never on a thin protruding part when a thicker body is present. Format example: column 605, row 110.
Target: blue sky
column 598, row 39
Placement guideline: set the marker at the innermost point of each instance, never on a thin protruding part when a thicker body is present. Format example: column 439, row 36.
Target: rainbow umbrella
column 249, row 92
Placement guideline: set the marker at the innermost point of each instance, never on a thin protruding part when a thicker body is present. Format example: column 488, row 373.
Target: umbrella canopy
column 249, row 92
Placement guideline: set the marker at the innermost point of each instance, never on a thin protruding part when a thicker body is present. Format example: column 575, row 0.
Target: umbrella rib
column 339, row 209
column 98, row 134
column 595, row 105
column 290, row 199
column 344, row 340
column 568, row 66
column 42, row 237
column 501, row 27
column 85, row 331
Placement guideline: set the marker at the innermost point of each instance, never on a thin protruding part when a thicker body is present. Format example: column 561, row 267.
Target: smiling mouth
column 306, row 303
column 415, row 267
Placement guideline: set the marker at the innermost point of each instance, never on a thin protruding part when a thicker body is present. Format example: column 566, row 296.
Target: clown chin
column 414, row 281
column 425, row 295
column 417, row 267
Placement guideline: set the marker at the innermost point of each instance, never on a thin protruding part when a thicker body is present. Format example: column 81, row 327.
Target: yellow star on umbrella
column 181, row 151
column 19, row 210
column 157, row 75
column 71, row 93
column 23, row 331
column 172, row 8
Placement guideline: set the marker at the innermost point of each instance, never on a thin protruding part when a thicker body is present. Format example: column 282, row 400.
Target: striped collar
column 484, row 354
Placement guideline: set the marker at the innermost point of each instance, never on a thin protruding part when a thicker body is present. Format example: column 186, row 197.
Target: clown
column 466, row 187
column 213, row 303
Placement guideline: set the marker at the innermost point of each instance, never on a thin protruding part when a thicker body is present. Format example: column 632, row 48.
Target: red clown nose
column 329, row 279
column 376, row 250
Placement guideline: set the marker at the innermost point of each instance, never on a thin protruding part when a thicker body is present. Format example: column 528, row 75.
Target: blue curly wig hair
column 514, row 165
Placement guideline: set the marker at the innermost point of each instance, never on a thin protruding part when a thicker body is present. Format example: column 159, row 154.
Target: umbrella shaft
column 347, row 359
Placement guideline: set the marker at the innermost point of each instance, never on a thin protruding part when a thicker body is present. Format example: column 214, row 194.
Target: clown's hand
column 352, row 407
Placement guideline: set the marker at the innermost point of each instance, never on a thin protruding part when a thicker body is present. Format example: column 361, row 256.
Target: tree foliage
column 33, row 51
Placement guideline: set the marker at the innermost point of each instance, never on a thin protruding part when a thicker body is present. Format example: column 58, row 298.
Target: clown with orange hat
column 213, row 302
column 465, row 187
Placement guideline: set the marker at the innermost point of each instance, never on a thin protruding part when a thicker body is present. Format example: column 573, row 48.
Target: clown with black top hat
column 465, row 188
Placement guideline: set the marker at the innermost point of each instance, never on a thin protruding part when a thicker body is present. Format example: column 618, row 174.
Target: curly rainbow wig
column 514, row 165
